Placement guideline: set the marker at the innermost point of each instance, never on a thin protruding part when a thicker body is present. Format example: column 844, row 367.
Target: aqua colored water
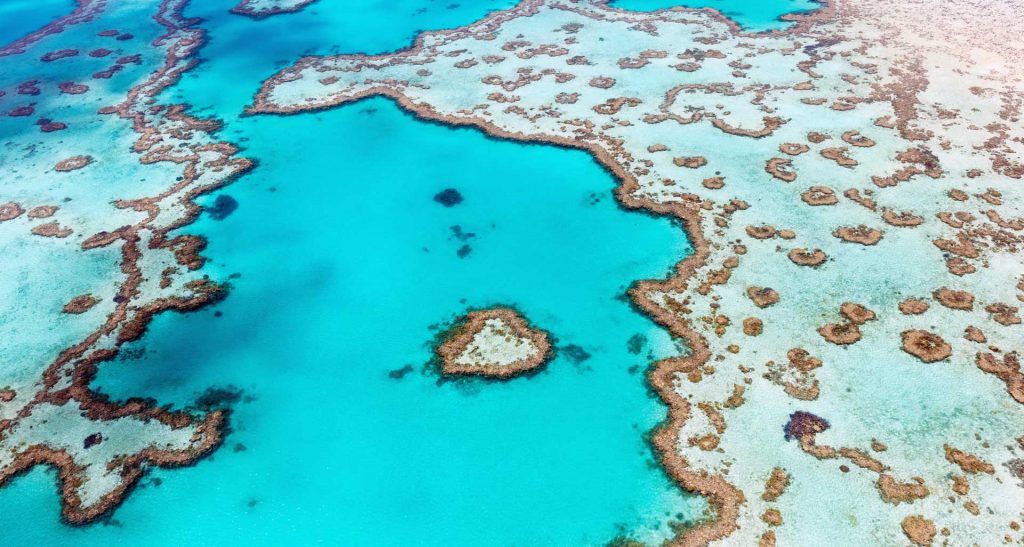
column 20, row 17
column 345, row 267
column 752, row 16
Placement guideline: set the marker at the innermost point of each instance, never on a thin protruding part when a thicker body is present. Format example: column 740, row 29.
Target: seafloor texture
column 852, row 189
column 850, row 185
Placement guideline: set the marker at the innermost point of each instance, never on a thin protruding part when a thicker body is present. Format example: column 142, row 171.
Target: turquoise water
column 336, row 291
column 342, row 268
column 20, row 17
column 750, row 15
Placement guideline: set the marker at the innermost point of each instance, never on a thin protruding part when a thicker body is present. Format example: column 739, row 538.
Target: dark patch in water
column 221, row 397
column 1016, row 468
column 239, row 447
column 131, row 354
column 812, row 48
column 575, row 353
column 222, row 207
column 92, row 440
column 449, row 197
column 464, row 251
column 803, row 423
column 461, row 235
column 633, row 369
column 635, row 344
column 400, row 373
column 155, row 482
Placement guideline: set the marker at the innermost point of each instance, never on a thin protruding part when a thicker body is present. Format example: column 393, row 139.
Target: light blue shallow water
column 346, row 266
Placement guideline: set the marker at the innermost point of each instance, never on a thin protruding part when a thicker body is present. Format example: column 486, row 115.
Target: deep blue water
column 345, row 266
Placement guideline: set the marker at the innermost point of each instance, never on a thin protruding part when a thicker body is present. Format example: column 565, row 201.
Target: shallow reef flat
column 852, row 189
column 265, row 8
column 97, row 175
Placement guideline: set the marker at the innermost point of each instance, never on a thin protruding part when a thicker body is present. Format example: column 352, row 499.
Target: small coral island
column 495, row 342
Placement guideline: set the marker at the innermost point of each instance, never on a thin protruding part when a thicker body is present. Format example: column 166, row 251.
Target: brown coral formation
column 42, row 211
column 926, row 346
column 72, row 163
column 804, row 426
column 772, row 517
column 968, row 463
column 714, row 183
column 800, row 359
column 690, row 162
column 816, row 137
column 462, row 335
column 1004, row 314
column 819, row 195
column 793, row 148
column 839, row 155
column 954, row 300
column 763, row 296
column 51, row 229
column 856, row 313
column 805, row 257
column 1006, row 369
column 919, row 530
column 10, row 211
column 776, row 484
column 761, row 232
column 842, row 334
column 858, row 234
column 913, row 306
column 80, row 304
column 781, row 169
column 853, row 137
column 901, row 219
column 257, row 10
column 974, row 334
column 895, row 492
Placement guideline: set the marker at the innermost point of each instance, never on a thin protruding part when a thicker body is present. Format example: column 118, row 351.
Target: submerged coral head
column 803, row 423
column 449, row 197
